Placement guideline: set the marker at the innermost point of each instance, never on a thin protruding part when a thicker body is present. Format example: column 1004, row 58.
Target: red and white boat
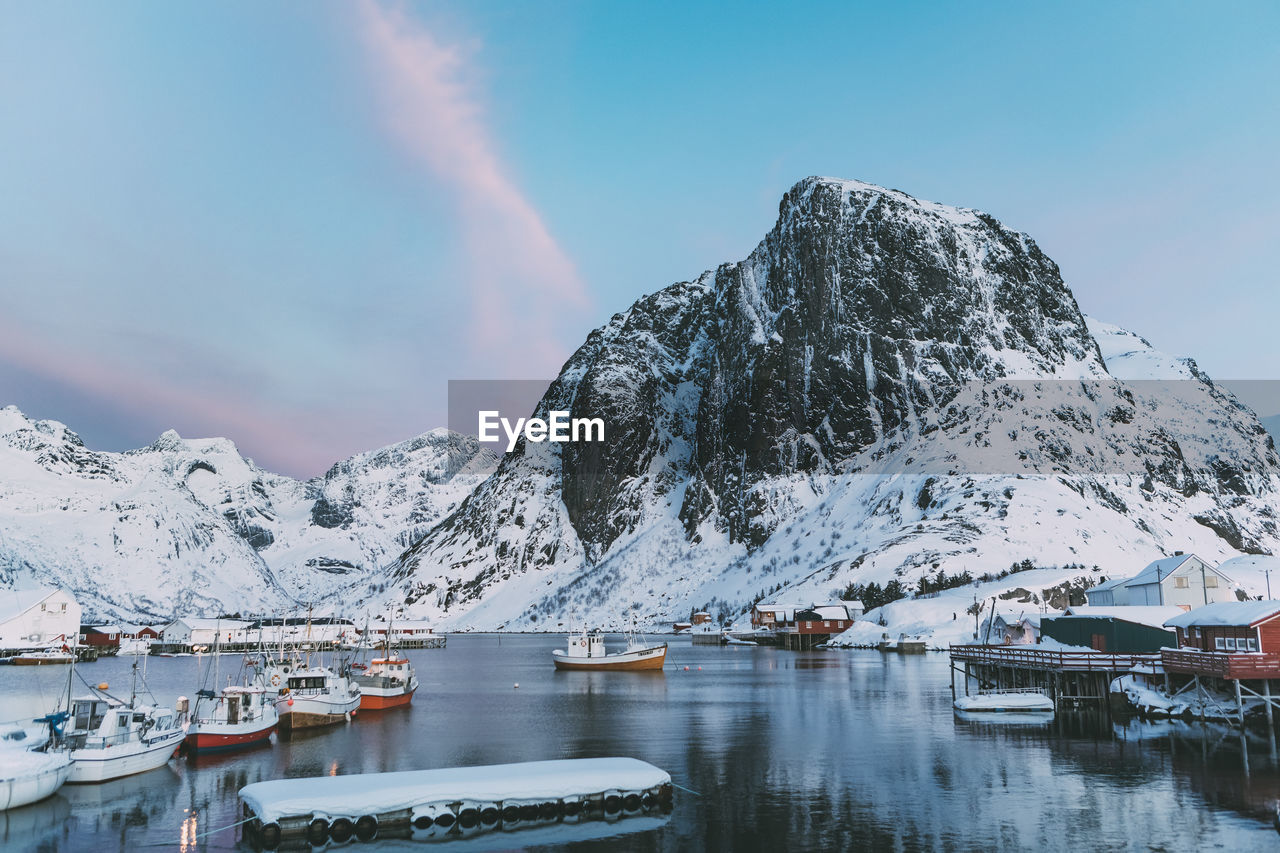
column 388, row 682
column 236, row 717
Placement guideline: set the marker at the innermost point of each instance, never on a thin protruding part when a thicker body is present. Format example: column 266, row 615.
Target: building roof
column 1162, row 568
column 831, row 611
column 15, row 602
column 198, row 622
column 1153, row 615
column 1235, row 614
column 103, row 629
column 1105, row 585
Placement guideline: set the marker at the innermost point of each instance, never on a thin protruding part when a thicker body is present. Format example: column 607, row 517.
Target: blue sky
column 292, row 223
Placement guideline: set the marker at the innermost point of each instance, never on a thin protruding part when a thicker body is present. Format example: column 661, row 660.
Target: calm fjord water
column 834, row 750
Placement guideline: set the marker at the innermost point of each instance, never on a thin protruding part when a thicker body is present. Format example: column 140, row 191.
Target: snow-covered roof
column 775, row 608
column 1162, row 568
column 1105, row 585
column 15, row 602
column 832, row 611
column 197, row 622
column 1228, row 613
column 1153, row 615
column 104, row 629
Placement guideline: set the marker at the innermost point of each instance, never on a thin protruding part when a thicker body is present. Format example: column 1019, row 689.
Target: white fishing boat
column 27, row 775
column 312, row 696
column 108, row 739
column 586, row 651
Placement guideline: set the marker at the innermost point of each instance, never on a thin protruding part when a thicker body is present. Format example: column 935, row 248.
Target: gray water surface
column 835, row 750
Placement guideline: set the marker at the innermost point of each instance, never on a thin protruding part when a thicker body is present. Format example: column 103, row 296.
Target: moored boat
column 312, row 696
column 233, row 718
column 586, row 651
column 26, row 775
column 108, row 739
column 386, row 683
column 43, row 658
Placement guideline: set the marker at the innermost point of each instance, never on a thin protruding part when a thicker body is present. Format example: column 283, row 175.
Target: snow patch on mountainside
column 189, row 526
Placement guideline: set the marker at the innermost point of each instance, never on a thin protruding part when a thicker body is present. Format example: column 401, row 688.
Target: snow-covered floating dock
column 1005, row 702
column 450, row 803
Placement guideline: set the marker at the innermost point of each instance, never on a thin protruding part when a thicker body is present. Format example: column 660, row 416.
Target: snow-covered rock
column 188, row 526
column 884, row 389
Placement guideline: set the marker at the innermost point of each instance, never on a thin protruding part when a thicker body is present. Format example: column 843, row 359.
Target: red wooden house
column 1227, row 639
column 103, row 636
column 1230, row 626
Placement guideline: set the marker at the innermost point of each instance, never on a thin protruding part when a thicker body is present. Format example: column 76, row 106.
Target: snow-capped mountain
column 884, row 389
column 189, row 526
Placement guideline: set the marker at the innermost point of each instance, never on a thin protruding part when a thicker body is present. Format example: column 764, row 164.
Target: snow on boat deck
column 1005, row 702
column 374, row 793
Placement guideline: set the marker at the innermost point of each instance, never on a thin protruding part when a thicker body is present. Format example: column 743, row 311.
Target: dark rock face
column 326, row 513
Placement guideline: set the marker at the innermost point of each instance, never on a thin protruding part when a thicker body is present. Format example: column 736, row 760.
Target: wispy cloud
column 522, row 281
column 291, row 441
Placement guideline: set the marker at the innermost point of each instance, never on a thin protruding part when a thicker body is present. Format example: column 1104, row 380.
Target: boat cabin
column 586, row 645
column 107, row 723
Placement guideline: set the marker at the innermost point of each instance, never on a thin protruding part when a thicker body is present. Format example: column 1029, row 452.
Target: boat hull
column 311, row 713
column 115, row 762
column 25, row 661
column 380, row 702
column 215, row 740
column 650, row 658
column 31, row 787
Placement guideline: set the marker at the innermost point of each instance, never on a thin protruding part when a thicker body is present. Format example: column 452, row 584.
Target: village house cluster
column 51, row 618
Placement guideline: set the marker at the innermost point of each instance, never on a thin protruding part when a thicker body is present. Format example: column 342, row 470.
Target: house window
column 1211, row 582
column 1231, row 644
column 1180, row 583
column 1195, row 632
column 1253, row 644
column 1218, row 643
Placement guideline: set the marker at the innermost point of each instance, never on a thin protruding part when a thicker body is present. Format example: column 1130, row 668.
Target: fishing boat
column 586, row 651
column 387, row 682
column 108, row 738
column 234, row 717
column 26, row 774
column 313, row 696
column 43, row 658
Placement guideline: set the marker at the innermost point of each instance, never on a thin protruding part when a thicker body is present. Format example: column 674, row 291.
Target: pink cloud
column 289, row 442
column 521, row 280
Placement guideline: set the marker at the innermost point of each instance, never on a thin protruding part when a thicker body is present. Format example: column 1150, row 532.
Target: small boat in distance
column 1004, row 701
column 44, row 658
column 586, row 651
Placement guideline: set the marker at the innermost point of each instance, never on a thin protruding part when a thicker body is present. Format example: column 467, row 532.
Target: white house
column 1183, row 580
column 37, row 617
column 198, row 631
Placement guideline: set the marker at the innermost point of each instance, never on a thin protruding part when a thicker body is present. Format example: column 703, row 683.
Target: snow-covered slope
column 884, row 389
column 190, row 526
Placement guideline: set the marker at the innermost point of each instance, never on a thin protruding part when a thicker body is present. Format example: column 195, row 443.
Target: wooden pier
column 1071, row 679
